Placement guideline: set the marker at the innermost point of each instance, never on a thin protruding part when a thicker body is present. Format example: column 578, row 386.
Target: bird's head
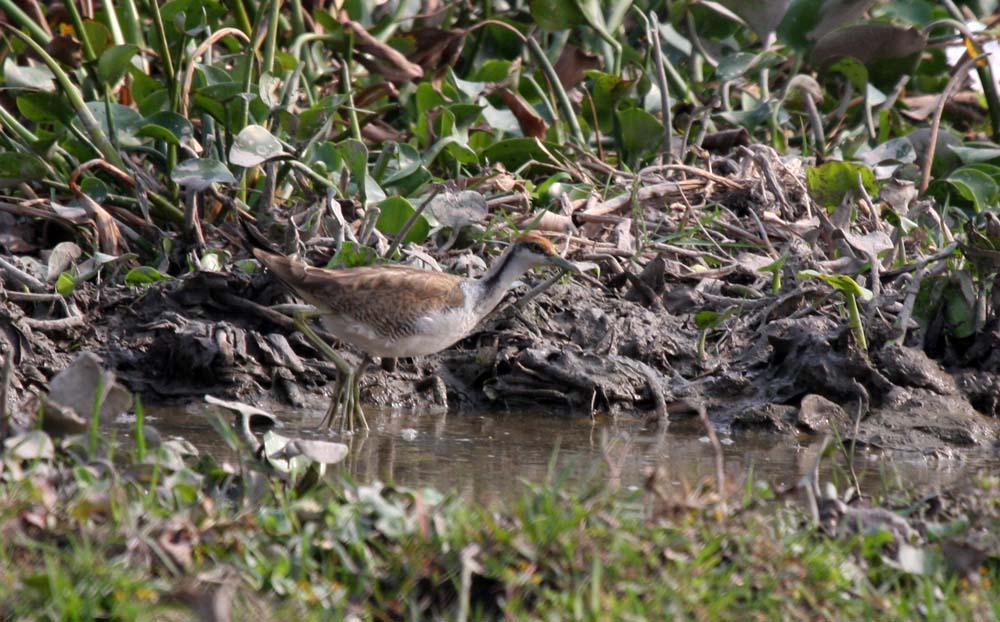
column 532, row 249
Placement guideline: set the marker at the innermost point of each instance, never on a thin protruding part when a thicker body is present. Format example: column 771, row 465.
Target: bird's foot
column 345, row 404
column 346, row 400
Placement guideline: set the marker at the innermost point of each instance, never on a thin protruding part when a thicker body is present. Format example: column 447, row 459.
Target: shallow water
column 490, row 456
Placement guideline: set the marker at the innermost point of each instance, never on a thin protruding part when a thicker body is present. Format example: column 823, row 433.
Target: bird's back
column 379, row 309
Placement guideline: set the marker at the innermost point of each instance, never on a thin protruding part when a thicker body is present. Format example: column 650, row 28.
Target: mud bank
column 616, row 347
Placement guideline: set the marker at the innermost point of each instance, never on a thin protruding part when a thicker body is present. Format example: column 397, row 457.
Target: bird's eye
column 537, row 248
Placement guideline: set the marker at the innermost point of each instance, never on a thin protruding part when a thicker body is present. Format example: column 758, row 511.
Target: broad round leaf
column 458, row 209
column 16, row 168
column 169, row 127
column 515, row 152
column 895, row 150
column 830, row 182
column 200, row 173
column 974, row 185
column 115, row 61
column 394, row 212
column 126, row 122
column 641, row 132
column 971, row 154
column 254, row 145
column 43, row 107
column 556, row 14
column 35, row 78
column 734, row 66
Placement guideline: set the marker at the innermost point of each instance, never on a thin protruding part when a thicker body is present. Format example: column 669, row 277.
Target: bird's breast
column 403, row 337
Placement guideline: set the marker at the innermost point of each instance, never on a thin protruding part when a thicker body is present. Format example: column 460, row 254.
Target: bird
column 392, row 310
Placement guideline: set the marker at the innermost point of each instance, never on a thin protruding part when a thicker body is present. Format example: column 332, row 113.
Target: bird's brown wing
column 375, row 294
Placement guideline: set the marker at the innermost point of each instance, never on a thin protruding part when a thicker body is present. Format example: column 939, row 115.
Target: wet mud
column 605, row 348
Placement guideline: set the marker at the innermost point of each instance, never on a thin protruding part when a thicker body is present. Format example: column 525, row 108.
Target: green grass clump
column 92, row 539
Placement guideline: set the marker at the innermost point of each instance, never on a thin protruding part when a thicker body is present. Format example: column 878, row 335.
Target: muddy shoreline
column 614, row 347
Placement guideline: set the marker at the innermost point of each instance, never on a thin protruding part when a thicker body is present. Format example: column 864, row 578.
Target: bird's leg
column 346, row 395
column 354, row 396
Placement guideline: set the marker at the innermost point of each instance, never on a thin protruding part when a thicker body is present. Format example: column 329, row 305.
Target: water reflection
column 489, row 456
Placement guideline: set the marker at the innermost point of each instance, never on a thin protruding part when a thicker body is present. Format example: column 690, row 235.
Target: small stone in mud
column 819, row 415
column 772, row 417
column 919, row 419
column 910, row 367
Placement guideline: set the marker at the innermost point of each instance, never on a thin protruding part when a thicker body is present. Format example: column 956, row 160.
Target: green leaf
column 352, row 255
column 65, row 284
column 199, row 173
column 115, row 61
column 221, row 92
column 556, row 15
column 972, row 154
column 707, row 319
column 641, row 133
column 904, row 224
column 593, row 15
column 16, row 168
column 427, row 98
column 974, row 185
column 213, row 260
column 98, row 33
column 254, row 145
column 35, row 78
column 394, row 213
column 355, row 154
column 799, row 19
column 895, row 150
column 734, row 66
column 145, row 275
column 830, row 182
column 44, row 107
column 840, row 282
column 516, row 152
column 607, row 90
column 167, row 126
column 853, row 70
column 960, row 316
column 126, row 122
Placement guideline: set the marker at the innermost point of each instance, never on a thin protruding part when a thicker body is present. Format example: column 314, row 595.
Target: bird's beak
column 565, row 264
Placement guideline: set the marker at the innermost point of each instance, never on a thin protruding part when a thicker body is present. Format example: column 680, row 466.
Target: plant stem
column 855, row 321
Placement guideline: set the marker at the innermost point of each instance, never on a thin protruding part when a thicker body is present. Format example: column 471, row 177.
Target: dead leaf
column 323, row 452
column 33, row 445
column 76, row 388
column 254, row 416
column 61, row 258
column 573, row 63
column 458, row 209
column 66, row 49
column 870, row 244
column 725, row 140
column 549, row 221
column 532, row 124
column 868, row 42
column 436, row 48
column 178, row 542
column 837, row 13
column 623, row 238
column 383, row 58
column 109, row 237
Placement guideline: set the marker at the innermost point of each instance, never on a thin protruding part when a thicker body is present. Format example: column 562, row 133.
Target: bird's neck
column 491, row 287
